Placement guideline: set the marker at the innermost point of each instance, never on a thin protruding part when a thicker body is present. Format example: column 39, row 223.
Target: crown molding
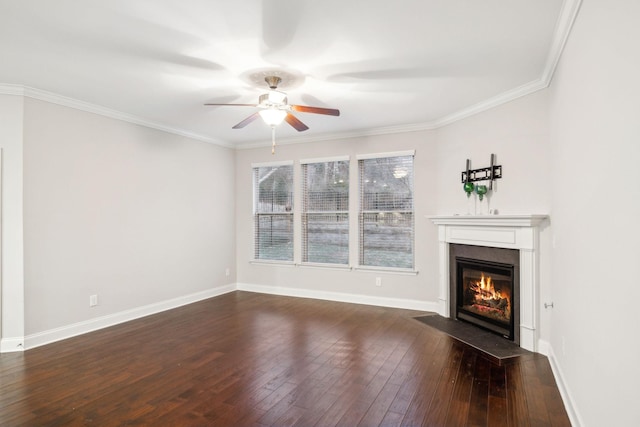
column 338, row 136
column 567, row 18
column 7, row 89
column 42, row 95
column 503, row 98
column 488, row 104
column 564, row 24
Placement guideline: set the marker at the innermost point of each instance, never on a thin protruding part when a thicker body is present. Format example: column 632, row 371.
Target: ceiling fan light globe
column 273, row 116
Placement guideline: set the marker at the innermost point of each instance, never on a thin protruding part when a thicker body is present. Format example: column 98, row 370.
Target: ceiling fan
column 274, row 108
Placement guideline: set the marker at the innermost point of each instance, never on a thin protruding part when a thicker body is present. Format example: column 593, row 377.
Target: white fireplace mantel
column 499, row 231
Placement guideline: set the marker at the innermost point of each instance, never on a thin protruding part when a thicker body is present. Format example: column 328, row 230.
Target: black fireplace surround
column 484, row 284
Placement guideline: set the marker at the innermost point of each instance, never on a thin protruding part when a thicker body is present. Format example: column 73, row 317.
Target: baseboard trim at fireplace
column 496, row 348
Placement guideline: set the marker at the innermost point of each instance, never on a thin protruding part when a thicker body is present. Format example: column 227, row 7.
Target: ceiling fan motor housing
column 273, row 98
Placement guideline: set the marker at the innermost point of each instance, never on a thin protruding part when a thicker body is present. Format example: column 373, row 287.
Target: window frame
column 354, row 215
column 258, row 213
column 361, row 212
column 305, row 212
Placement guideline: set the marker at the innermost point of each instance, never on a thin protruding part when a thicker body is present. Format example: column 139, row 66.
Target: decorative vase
column 468, row 188
column 481, row 190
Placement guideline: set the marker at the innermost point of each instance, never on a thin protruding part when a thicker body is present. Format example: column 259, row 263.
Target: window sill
column 340, row 267
column 391, row 270
column 272, row 262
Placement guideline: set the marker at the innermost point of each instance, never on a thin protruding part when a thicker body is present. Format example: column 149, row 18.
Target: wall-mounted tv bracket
column 491, row 173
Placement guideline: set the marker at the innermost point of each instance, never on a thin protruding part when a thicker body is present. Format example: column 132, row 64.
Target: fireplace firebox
column 485, row 295
column 485, row 288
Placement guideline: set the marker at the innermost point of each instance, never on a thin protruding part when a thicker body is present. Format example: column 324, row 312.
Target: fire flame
column 488, row 299
column 486, row 289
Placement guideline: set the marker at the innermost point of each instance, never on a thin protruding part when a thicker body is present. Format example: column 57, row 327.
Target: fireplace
column 485, row 295
column 510, row 240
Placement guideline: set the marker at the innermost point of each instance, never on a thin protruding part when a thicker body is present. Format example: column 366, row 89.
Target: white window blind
column 325, row 212
column 386, row 217
column 273, row 212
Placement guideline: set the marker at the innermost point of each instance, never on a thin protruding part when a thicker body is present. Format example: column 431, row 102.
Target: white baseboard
column 11, row 345
column 543, row 347
column 340, row 297
column 68, row 331
column 16, row 344
column 574, row 417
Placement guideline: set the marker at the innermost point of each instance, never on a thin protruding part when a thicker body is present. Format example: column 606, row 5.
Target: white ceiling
column 402, row 65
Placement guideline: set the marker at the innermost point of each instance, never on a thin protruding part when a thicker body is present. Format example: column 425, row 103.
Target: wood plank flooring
column 246, row 359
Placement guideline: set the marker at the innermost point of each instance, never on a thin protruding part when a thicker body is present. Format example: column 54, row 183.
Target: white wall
column 518, row 134
column 131, row 214
column 12, row 295
column 595, row 133
column 358, row 286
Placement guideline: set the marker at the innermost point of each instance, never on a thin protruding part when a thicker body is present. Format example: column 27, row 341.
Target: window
column 386, row 210
column 325, row 212
column 273, row 212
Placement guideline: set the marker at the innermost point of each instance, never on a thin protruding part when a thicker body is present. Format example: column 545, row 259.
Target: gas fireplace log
column 500, row 304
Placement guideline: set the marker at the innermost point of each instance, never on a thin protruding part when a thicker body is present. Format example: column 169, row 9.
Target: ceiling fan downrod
column 273, row 139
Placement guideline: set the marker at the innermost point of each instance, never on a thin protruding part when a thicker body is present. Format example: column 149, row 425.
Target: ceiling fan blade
column 246, row 121
column 235, row 105
column 315, row 110
column 297, row 124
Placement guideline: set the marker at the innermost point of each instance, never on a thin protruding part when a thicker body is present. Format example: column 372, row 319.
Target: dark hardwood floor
column 245, row 359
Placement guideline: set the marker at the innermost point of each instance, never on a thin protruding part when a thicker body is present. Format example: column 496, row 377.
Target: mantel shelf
column 489, row 220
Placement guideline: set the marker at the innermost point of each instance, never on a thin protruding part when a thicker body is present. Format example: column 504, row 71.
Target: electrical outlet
column 227, row 272
column 378, row 281
column 93, row 300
